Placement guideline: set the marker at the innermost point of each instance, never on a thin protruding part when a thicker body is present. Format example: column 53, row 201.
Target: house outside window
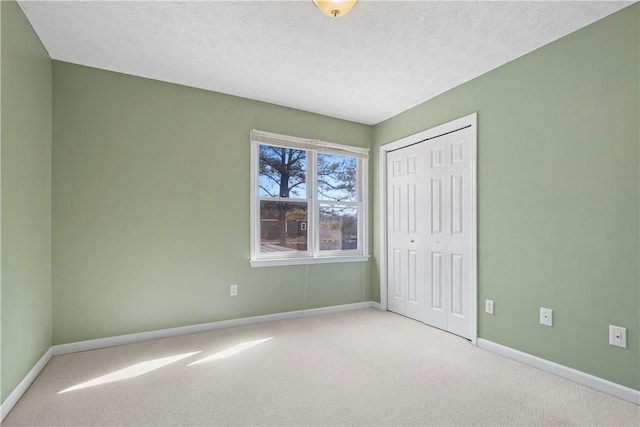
column 308, row 201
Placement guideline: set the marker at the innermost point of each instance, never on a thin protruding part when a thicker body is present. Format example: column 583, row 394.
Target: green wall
column 26, row 197
column 558, row 190
column 151, row 207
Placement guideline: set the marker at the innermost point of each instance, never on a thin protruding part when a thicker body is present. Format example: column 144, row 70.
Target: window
column 308, row 201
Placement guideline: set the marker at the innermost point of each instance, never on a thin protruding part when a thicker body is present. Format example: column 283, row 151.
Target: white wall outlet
column 546, row 316
column 233, row 290
column 618, row 336
column 488, row 306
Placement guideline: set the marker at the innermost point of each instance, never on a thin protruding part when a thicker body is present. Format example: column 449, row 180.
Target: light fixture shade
column 335, row 8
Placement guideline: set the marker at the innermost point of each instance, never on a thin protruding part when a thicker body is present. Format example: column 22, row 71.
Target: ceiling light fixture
column 335, row 8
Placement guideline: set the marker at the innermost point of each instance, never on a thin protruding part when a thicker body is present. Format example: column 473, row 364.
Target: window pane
column 338, row 227
column 283, row 226
column 337, row 178
column 282, row 172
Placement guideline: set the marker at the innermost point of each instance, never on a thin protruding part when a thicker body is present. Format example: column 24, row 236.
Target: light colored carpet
column 362, row 367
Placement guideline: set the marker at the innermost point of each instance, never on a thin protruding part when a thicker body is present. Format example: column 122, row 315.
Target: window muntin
column 308, row 199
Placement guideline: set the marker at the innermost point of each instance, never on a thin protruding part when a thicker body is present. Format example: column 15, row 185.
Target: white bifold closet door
column 406, row 242
column 429, row 241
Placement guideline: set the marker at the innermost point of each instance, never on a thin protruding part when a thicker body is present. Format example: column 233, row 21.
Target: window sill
column 306, row 261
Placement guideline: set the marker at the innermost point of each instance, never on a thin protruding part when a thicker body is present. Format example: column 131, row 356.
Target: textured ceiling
column 381, row 59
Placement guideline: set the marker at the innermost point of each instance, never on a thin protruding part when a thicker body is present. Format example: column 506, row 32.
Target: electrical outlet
column 546, row 316
column 233, row 290
column 488, row 306
column 618, row 336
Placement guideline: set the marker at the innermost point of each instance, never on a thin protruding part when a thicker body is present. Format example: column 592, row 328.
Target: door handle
column 413, row 241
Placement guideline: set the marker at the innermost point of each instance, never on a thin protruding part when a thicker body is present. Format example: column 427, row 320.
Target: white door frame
column 470, row 120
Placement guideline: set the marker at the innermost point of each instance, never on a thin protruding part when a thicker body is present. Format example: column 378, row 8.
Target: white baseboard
column 377, row 306
column 583, row 378
column 75, row 347
column 17, row 392
column 574, row 375
column 202, row 327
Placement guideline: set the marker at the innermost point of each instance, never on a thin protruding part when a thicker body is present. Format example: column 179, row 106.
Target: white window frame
column 313, row 255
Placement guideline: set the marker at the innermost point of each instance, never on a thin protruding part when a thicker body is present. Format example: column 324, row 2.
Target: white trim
column 382, row 213
column 202, row 327
column 363, row 207
column 473, row 121
column 308, row 143
column 433, row 132
column 273, row 262
column 579, row 377
column 574, row 375
column 466, row 121
column 253, row 200
column 377, row 306
column 20, row 389
column 313, row 224
column 75, row 347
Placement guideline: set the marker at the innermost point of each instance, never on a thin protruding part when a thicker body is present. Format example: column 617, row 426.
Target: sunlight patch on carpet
column 231, row 351
column 130, row 372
